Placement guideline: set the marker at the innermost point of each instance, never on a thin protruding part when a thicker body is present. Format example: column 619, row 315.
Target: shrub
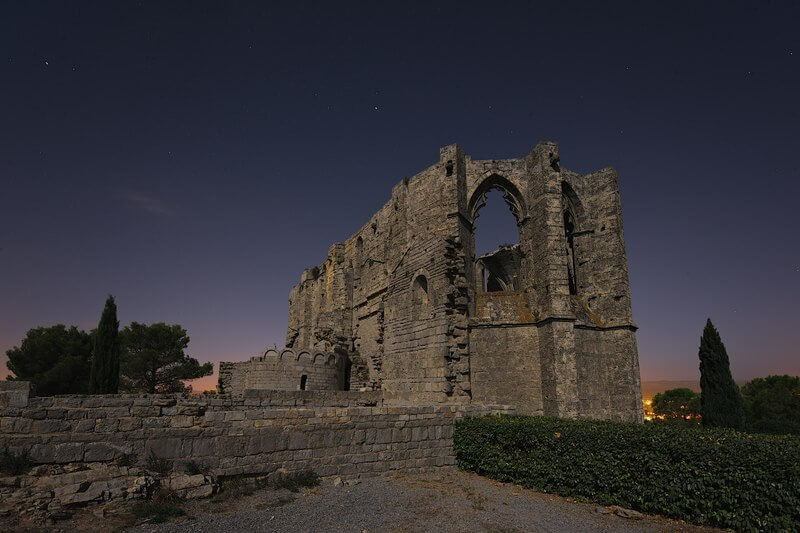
column 127, row 459
column 295, row 480
column 193, row 468
column 14, row 464
column 772, row 404
column 717, row 477
column 156, row 512
column 235, row 488
column 677, row 405
column 158, row 464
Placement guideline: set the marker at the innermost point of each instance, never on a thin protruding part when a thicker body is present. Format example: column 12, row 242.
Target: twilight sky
column 191, row 159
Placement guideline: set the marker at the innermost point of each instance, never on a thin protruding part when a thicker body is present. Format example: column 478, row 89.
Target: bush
column 193, row 468
column 127, row 459
column 677, row 406
column 772, row 404
column 14, row 464
column 295, row 480
column 156, row 513
column 716, row 477
column 158, row 464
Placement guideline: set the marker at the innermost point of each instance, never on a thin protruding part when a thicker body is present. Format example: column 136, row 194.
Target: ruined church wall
column 361, row 299
column 602, row 276
column 506, row 368
column 416, row 338
column 609, row 385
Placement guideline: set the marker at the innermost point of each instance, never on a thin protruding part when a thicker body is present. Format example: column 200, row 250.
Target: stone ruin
column 404, row 306
column 284, row 370
column 401, row 331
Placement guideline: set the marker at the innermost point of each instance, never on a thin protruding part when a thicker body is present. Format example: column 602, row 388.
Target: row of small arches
column 288, row 355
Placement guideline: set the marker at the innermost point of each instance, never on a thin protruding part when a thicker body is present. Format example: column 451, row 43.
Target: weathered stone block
column 101, row 451
column 67, row 452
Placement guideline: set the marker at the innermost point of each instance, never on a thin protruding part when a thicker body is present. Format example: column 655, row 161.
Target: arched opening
column 421, row 305
column 573, row 211
column 569, row 234
column 303, row 380
column 497, row 253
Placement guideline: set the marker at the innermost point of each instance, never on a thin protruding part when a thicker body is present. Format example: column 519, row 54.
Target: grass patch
column 156, row 512
column 127, row 459
column 158, row 464
column 193, row 468
column 294, row 481
column 235, row 488
column 280, row 502
column 164, row 506
column 14, row 464
column 239, row 487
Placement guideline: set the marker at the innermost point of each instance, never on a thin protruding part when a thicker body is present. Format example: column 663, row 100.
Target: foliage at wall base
column 713, row 477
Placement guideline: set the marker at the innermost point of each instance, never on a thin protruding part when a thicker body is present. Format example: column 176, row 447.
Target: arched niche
column 420, row 298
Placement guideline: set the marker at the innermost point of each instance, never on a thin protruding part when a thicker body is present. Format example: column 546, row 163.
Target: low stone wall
column 14, row 394
column 255, row 434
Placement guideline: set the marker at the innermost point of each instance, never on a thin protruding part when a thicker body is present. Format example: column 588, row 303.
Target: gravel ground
column 453, row 502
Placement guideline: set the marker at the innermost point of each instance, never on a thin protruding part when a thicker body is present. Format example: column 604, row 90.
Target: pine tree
column 104, row 378
column 721, row 402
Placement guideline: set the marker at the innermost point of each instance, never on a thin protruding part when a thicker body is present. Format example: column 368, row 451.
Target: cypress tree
column 721, row 402
column 104, row 378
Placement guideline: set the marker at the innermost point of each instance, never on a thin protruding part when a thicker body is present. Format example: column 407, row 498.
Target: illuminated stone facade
column 544, row 326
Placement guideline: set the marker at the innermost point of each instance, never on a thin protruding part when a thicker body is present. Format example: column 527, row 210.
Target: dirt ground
column 453, row 502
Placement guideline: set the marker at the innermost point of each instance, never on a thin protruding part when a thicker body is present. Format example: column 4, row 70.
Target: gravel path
column 453, row 502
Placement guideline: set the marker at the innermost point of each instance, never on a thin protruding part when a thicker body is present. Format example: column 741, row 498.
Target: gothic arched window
column 569, row 234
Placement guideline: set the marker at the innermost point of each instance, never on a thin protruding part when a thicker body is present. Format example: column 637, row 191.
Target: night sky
column 192, row 161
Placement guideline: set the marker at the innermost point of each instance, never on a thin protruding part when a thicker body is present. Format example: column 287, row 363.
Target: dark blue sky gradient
column 192, row 160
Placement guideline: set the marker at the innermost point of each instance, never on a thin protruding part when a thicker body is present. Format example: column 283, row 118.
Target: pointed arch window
column 569, row 239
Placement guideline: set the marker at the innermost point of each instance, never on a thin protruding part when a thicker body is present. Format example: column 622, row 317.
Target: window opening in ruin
column 554, row 163
column 569, row 234
column 421, row 308
column 359, row 260
column 303, row 380
column 449, row 168
column 496, row 246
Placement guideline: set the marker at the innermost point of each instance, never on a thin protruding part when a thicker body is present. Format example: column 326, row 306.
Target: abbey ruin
column 404, row 306
column 399, row 333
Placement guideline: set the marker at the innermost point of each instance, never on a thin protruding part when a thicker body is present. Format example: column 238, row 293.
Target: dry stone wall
column 355, row 434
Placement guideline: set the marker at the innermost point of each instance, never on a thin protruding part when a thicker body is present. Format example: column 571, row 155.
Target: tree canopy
column 153, row 359
column 56, row 360
column 104, row 378
column 772, row 404
column 677, row 404
column 720, row 400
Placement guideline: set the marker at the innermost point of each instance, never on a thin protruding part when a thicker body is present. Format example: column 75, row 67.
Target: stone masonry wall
column 255, row 434
column 569, row 281
column 284, row 370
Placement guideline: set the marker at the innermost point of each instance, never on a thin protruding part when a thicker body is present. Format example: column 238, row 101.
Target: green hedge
column 706, row 476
